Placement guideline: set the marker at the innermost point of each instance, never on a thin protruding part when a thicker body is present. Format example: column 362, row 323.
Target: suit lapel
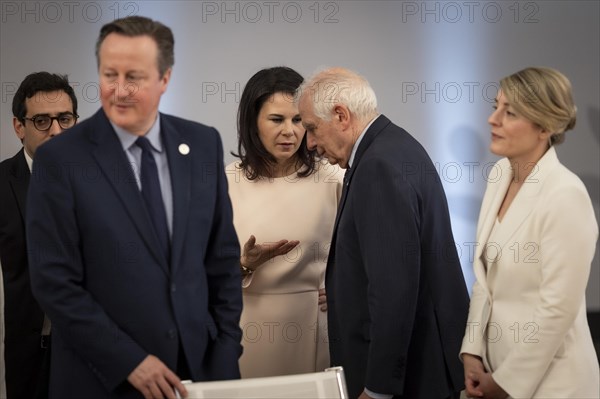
column 113, row 161
column 521, row 207
column 19, row 181
column 180, row 170
column 489, row 213
column 491, row 207
column 378, row 125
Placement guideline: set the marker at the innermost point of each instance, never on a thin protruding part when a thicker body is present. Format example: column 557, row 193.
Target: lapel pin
column 184, row 149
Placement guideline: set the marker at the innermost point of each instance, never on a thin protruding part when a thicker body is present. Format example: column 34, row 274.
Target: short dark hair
column 40, row 82
column 255, row 160
column 142, row 26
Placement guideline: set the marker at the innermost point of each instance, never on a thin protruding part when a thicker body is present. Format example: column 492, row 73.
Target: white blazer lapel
column 526, row 199
column 491, row 205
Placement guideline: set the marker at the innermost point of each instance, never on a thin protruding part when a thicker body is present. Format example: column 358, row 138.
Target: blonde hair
column 542, row 95
column 339, row 86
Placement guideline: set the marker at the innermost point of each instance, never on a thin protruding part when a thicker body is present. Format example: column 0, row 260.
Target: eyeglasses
column 43, row 122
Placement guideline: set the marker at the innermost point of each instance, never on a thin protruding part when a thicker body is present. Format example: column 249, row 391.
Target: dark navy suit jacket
column 96, row 265
column 26, row 362
column 397, row 298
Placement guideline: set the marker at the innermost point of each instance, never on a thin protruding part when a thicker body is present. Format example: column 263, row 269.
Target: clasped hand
column 478, row 382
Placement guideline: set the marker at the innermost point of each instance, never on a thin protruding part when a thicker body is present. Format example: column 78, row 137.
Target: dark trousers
column 27, row 368
column 183, row 370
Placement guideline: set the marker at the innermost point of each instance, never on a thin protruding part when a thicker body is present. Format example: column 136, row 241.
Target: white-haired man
column 396, row 296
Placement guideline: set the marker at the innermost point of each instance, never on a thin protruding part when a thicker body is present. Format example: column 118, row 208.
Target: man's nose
column 311, row 143
column 54, row 128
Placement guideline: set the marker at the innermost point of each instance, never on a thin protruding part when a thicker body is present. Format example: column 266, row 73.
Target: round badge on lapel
column 184, row 149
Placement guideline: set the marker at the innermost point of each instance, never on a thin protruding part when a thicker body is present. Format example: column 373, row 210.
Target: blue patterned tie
column 152, row 194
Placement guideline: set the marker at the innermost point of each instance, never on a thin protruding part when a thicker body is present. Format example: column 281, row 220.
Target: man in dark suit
column 397, row 300
column 43, row 106
column 133, row 253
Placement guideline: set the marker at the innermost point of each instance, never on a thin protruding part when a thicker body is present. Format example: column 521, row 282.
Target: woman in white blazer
column 527, row 334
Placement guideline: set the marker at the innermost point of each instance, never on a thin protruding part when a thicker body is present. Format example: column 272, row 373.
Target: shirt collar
column 353, row 154
column 153, row 135
column 28, row 159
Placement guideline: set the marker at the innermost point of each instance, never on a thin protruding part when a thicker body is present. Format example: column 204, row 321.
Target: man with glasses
column 43, row 106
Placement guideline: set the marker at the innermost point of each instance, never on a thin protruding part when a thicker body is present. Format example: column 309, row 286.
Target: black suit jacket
column 97, row 269
column 24, row 359
column 397, row 299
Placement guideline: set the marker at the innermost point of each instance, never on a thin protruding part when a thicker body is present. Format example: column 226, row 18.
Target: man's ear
column 341, row 114
column 165, row 79
column 19, row 128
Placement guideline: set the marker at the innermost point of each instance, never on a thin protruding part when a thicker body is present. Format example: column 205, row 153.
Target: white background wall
column 434, row 66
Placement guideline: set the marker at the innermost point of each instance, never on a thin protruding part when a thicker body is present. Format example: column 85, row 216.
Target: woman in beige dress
column 527, row 335
column 284, row 206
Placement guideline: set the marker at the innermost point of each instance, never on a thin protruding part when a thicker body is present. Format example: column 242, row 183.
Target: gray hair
column 339, row 86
